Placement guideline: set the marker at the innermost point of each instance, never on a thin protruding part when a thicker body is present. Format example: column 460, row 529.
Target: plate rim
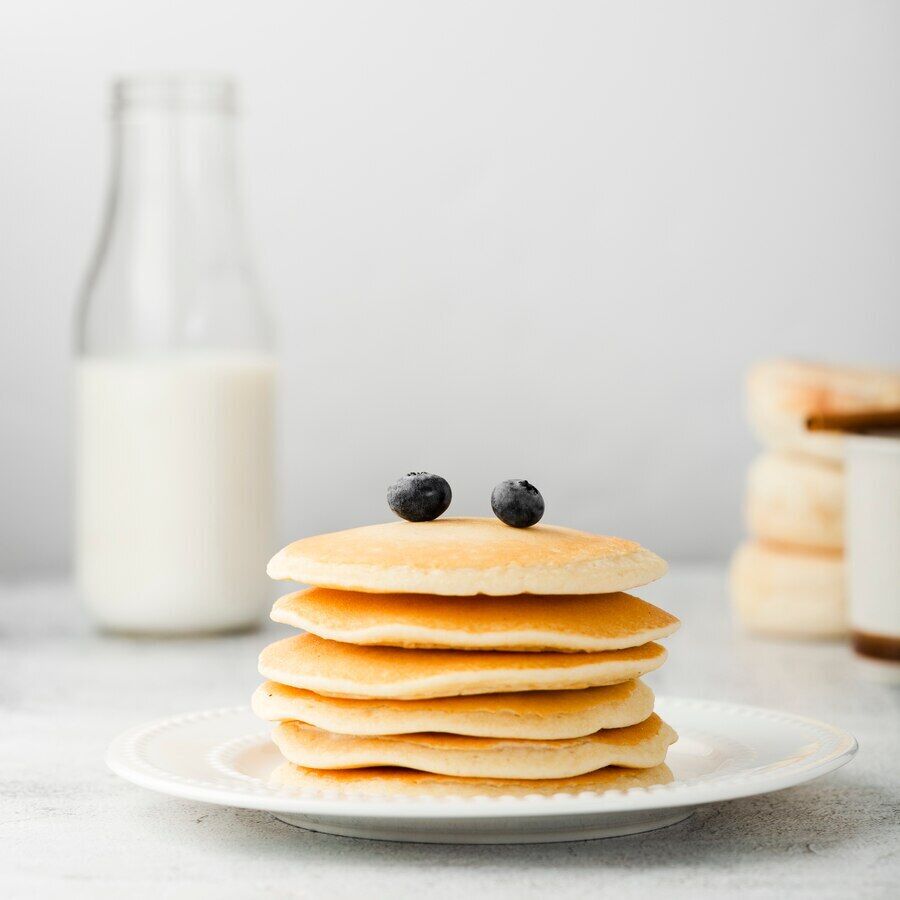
column 123, row 758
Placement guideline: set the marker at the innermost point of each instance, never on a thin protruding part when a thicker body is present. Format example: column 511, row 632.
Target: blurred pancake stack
column 788, row 577
column 465, row 657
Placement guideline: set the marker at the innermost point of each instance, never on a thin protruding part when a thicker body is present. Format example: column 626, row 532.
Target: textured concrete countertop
column 68, row 827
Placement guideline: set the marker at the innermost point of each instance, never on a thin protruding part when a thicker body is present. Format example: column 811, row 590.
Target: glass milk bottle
column 174, row 378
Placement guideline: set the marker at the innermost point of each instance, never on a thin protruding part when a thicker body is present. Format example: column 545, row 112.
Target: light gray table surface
column 69, row 827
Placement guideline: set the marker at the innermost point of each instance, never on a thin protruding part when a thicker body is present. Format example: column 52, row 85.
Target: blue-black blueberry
column 419, row 496
column 517, row 503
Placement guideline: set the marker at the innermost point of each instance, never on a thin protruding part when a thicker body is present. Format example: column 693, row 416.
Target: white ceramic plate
column 724, row 751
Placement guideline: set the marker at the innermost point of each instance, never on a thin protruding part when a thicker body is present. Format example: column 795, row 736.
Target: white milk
column 175, row 506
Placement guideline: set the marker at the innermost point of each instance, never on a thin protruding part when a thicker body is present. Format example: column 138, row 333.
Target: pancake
column 535, row 715
column 523, row 622
column 465, row 557
column 782, row 394
column 394, row 782
column 346, row 670
column 789, row 592
column 639, row 746
column 794, row 499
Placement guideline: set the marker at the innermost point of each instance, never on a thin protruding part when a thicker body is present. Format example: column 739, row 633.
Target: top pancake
column 465, row 557
column 524, row 622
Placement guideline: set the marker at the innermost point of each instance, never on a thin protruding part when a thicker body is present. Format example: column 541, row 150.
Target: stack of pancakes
column 788, row 578
column 462, row 656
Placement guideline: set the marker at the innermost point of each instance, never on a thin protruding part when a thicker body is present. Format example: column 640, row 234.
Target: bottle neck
column 172, row 268
column 175, row 171
column 174, row 238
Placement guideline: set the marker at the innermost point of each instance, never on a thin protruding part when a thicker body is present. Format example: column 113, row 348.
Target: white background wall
column 502, row 239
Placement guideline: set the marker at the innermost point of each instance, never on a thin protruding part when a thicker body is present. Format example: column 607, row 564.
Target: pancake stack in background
column 465, row 657
column 788, row 577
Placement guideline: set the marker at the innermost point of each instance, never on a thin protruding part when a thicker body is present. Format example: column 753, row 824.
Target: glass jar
column 873, row 550
column 175, row 377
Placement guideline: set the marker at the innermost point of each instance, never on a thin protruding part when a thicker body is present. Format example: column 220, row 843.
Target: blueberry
column 419, row 496
column 517, row 503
